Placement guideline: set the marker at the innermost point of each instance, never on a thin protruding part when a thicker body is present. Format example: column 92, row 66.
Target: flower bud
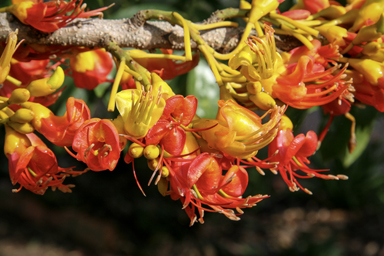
column 162, row 186
column 371, row 9
column 334, row 34
column 151, row 152
column 15, row 141
column 347, row 18
column 371, row 70
column 45, row 86
column 374, row 51
column 164, row 172
column 22, row 115
column 24, row 128
column 152, row 163
column 40, row 112
column 330, row 13
column 254, row 88
column 285, row 123
column 18, row 96
column 370, row 33
column 262, row 100
column 135, row 150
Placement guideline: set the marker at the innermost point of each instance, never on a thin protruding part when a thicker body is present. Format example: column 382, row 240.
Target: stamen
column 86, row 152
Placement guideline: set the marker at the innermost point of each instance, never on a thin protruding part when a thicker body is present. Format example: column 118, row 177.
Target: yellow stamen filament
column 115, row 86
column 32, row 172
column 197, row 192
column 296, row 161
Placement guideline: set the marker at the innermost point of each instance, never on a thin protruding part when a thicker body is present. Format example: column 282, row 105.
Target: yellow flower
column 140, row 110
column 5, row 59
column 239, row 132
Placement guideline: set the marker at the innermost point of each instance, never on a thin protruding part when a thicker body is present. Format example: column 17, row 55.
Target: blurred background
column 107, row 215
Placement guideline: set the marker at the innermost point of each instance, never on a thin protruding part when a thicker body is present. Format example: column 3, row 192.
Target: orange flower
column 32, row 164
column 97, row 144
column 307, row 84
column 200, row 182
column 167, row 131
column 60, row 130
column 293, row 153
column 239, row 132
column 91, row 68
column 50, row 16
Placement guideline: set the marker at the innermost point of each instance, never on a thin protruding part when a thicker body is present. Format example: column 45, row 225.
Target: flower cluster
column 202, row 162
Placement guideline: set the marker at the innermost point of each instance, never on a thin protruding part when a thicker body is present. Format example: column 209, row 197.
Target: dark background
column 107, row 215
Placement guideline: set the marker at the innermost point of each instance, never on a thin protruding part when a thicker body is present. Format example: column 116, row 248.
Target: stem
column 215, row 25
column 120, row 53
column 227, row 13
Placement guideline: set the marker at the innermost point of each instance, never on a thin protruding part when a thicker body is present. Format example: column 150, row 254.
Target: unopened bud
column 19, row 95
column 45, row 86
column 254, row 88
column 162, row 186
column 22, row 116
column 262, row 100
column 370, row 33
column 135, row 150
column 285, row 123
column 57, row 78
column 164, row 172
column 151, row 152
column 153, row 163
column 330, row 13
column 24, row 128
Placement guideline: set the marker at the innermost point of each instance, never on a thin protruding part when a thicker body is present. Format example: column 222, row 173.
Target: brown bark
column 127, row 33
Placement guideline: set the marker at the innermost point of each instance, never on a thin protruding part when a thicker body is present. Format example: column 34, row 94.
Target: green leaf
column 335, row 144
column 202, row 83
column 363, row 135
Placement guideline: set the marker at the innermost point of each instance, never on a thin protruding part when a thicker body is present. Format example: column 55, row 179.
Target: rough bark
column 127, row 33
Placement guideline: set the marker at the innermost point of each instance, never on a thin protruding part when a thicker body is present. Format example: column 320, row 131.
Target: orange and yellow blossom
column 32, row 164
column 239, row 133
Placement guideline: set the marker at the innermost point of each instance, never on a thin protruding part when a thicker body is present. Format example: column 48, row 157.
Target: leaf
column 335, row 144
column 202, row 83
column 363, row 135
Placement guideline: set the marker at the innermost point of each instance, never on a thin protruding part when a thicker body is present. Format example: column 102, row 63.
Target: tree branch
column 128, row 33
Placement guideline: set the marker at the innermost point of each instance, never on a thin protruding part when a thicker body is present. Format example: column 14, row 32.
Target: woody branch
column 130, row 33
